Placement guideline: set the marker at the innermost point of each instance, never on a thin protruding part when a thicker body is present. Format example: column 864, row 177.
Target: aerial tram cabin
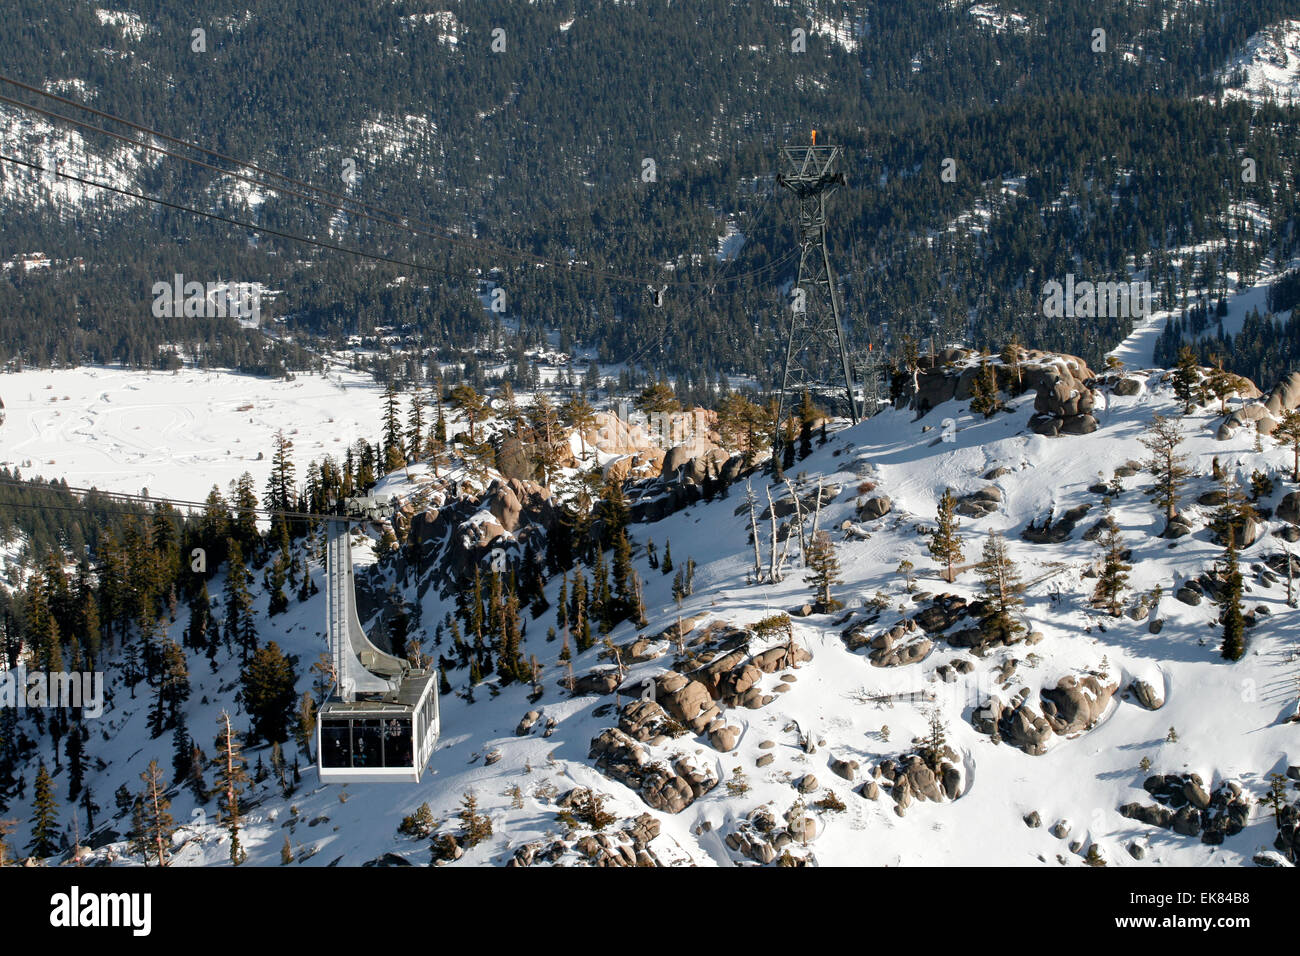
column 380, row 722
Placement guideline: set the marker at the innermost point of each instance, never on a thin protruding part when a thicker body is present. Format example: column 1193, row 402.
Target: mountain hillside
column 1127, row 733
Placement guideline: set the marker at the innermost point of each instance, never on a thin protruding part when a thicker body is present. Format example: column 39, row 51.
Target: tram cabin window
column 367, row 742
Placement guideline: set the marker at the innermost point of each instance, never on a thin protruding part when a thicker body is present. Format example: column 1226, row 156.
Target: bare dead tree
column 753, row 533
column 772, row 573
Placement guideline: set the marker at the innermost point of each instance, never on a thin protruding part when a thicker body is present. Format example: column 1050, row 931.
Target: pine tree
column 510, row 663
column 945, row 544
column 475, row 826
column 238, row 603
column 231, row 775
column 194, row 780
column 547, row 437
column 1002, row 588
column 42, row 628
column 122, row 799
column 1114, row 573
column 268, row 694
column 182, row 750
column 393, row 456
column 200, row 607
column 935, row 740
column 625, row 599
column 1186, row 376
column 1236, row 515
column 658, row 398
column 1234, row 624
column 471, row 405
column 90, row 632
column 244, row 525
column 275, row 581
column 45, row 816
column 577, row 411
column 602, row 601
column 1010, row 356
column 158, row 825
column 415, row 443
column 74, row 750
column 280, row 491
column 789, row 429
column 824, row 571
column 1163, row 438
column 1222, row 384
column 580, row 614
column 90, row 806
column 985, row 400
column 1288, row 433
column 172, row 690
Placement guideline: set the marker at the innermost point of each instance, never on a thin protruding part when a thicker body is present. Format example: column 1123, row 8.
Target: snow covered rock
column 669, row 789
column 1288, row 508
column 873, row 508
column 688, row 701
column 1146, row 695
column 1075, row 705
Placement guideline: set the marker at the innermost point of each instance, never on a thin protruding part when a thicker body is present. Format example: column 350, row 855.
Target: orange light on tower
column 814, row 137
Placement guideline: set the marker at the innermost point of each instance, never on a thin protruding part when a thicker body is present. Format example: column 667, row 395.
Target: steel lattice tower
column 817, row 356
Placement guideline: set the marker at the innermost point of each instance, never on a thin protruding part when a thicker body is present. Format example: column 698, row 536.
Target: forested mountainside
column 989, row 148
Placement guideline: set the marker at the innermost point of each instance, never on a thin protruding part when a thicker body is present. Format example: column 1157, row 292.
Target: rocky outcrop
column 630, row 434
column 1146, row 695
column 601, row 680
column 627, row 846
column 910, row 778
column 687, row 475
column 1058, row 531
column 760, row 838
column 944, row 611
column 1064, row 401
column 1264, row 415
column 784, row 506
column 1284, row 398
column 1076, row 704
column 646, row 722
column 669, row 788
column 872, row 508
column 889, row 655
column 1068, row 709
column 525, row 726
column 977, row 504
column 949, row 375
column 901, row 644
column 1288, row 509
column 688, row 701
column 1185, row 806
column 459, row 526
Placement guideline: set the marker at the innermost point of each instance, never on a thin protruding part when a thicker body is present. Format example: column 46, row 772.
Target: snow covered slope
column 1228, row 720
column 1268, row 68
